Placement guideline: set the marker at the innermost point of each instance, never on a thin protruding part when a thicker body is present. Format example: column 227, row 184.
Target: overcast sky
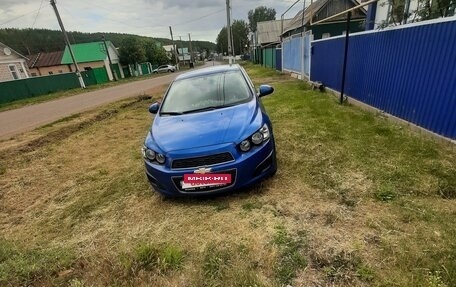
column 202, row 18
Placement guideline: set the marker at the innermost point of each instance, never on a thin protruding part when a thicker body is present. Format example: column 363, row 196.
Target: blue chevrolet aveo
column 211, row 121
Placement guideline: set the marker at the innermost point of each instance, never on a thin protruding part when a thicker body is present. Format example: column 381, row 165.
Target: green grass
column 356, row 201
column 22, row 266
column 162, row 259
column 291, row 255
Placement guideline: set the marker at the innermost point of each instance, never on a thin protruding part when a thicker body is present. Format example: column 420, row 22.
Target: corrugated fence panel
column 292, row 51
column 279, row 59
column 31, row 87
column 408, row 72
column 269, row 57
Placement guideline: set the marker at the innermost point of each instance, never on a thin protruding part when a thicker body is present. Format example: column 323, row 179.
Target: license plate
column 199, row 185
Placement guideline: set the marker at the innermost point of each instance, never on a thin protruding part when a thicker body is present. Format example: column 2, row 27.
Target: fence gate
column 308, row 37
column 292, row 54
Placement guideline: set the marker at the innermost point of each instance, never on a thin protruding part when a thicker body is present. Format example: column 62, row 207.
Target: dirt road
column 24, row 119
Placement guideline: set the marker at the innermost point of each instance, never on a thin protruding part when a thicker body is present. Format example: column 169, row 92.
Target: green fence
column 32, row 87
column 145, row 68
column 95, row 76
column 126, row 72
column 269, row 57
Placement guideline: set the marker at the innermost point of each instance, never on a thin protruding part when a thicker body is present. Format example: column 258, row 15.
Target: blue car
column 210, row 134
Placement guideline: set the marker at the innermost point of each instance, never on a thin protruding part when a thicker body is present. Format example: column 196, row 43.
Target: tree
column 240, row 30
column 154, row 53
column 261, row 13
column 426, row 10
column 132, row 51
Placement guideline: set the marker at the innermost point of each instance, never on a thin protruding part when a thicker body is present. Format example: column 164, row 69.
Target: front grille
column 202, row 160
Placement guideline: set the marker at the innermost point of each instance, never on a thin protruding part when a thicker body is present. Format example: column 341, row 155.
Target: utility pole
column 174, row 47
column 109, row 58
column 67, row 41
column 182, row 49
column 191, row 49
column 228, row 29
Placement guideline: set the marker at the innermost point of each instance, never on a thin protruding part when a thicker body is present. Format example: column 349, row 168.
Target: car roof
column 208, row 71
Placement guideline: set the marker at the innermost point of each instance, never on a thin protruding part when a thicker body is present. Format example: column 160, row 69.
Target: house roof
column 270, row 31
column 168, row 48
column 86, row 52
column 45, row 59
column 312, row 12
column 12, row 50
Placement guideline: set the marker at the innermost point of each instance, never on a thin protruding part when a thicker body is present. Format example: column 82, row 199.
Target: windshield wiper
column 210, row 108
column 171, row 113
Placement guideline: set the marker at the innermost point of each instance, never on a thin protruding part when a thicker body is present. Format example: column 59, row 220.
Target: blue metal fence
column 278, row 59
column 292, row 51
column 409, row 72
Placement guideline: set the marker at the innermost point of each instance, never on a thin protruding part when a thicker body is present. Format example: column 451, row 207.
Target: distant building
column 322, row 9
column 43, row 64
column 267, row 35
column 13, row 66
column 93, row 55
column 184, row 55
column 169, row 51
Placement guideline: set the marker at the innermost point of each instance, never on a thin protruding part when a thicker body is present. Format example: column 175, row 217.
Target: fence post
column 347, row 37
column 302, row 56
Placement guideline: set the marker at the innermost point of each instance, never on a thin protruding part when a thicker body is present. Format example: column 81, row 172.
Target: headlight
column 265, row 132
column 152, row 156
column 245, row 145
column 160, row 158
column 257, row 138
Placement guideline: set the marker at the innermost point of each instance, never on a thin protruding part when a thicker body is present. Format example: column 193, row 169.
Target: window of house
column 60, row 71
column 51, row 73
column 325, row 35
column 14, row 72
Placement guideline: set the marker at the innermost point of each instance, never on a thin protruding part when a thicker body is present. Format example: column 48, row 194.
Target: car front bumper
column 246, row 169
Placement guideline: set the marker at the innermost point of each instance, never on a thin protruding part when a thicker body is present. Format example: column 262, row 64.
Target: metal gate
column 308, row 37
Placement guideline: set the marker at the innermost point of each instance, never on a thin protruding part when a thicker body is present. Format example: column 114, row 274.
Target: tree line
column 32, row 41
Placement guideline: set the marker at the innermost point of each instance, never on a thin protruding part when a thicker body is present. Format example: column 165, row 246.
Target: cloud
column 202, row 18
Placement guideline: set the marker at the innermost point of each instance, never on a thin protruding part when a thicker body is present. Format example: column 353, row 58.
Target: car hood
column 226, row 125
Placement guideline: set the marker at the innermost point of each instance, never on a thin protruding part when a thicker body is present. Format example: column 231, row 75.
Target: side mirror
column 265, row 90
column 153, row 109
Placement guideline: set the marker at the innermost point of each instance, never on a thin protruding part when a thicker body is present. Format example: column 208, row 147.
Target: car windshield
column 206, row 92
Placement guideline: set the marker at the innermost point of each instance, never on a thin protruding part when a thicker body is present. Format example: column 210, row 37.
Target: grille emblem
column 202, row 170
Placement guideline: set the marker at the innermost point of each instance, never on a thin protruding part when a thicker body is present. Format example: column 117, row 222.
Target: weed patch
column 25, row 266
column 341, row 267
column 291, row 258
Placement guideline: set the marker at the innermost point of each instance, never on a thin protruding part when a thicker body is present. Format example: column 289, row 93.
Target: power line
column 18, row 17
column 199, row 18
column 38, row 13
column 148, row 26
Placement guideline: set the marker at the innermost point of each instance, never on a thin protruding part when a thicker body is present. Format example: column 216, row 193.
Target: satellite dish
column 7, row 51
